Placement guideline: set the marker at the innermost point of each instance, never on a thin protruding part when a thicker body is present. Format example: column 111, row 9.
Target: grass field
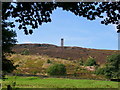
column 37, row 82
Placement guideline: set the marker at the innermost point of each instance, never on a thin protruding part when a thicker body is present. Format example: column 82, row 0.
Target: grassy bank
column 37, row 82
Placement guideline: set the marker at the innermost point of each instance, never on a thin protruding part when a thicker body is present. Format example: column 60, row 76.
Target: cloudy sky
column 76, row 31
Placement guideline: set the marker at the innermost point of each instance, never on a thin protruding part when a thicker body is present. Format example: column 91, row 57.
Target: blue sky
column 76, row 31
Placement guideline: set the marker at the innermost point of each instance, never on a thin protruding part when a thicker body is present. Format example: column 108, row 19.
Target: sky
column 76, row 31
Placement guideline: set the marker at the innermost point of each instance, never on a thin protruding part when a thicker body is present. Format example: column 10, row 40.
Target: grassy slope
column 36, row 64
column 28, row 64
column 36, row 82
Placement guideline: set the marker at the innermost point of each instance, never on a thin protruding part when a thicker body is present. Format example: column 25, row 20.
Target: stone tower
column 62, row 42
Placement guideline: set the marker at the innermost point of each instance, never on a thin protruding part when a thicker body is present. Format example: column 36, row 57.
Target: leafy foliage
column 81, row 62
column 57, row 69
column 37, row 13
column 112, row 68
column 8, row 41
column 90, row 62
column 7, row 65
column 48, row 61
column 100, row 71
column 8, row 37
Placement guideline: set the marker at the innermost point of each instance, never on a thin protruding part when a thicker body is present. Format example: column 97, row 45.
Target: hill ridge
column 69, row 53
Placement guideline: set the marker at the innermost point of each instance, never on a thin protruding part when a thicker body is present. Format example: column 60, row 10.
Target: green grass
column 37, row 82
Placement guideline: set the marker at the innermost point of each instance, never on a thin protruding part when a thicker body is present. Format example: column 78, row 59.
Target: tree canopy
column 37, row 13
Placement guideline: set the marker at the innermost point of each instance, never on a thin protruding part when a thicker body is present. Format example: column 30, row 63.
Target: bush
column 100, row 71
column 57, row 69
column 48, row 61
column 81, row 62
column 112, row 67
column 25, row 52
column 90, row 62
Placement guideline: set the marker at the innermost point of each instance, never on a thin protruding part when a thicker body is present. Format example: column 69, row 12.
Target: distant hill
column 69, row 53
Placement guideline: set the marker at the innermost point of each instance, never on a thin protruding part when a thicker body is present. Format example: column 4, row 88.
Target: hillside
column 68, row 53
column 38, row 65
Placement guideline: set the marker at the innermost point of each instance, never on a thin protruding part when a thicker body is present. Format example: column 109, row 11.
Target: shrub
column 90, row 62
column 25, row 52
column 57, row 69
column 111, row 69
column 100, row 71
column 48, row 61
column 81, row 62
column 112, row 66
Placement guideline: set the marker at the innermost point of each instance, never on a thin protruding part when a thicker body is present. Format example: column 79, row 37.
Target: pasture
column 37, row 82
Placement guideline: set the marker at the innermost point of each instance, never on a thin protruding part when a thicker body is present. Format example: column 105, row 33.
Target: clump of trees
column 112, row 67
column 57, row 69
column 90, row 62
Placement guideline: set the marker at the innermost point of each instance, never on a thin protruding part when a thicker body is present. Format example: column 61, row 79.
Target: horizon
column 60, row 45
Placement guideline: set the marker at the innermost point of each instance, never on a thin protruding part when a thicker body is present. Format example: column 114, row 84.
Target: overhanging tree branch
column 37, row 13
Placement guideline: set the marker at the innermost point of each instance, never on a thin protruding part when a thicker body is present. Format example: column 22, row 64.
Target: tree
column 112, row 67
column 90, row 62
column 8, row 41
column 8, row 37
column 36, row 13
column 57, row 69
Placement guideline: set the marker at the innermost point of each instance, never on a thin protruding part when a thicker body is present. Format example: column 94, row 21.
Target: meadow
column 37, row 82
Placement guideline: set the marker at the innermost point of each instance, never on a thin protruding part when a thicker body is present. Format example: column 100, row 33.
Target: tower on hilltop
column 62, row 42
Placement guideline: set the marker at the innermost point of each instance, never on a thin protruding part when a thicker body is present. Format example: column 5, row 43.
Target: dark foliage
column 37, row 13
column 48, row 61
column 112, row 67
column 8, row 41
column 7, row 65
